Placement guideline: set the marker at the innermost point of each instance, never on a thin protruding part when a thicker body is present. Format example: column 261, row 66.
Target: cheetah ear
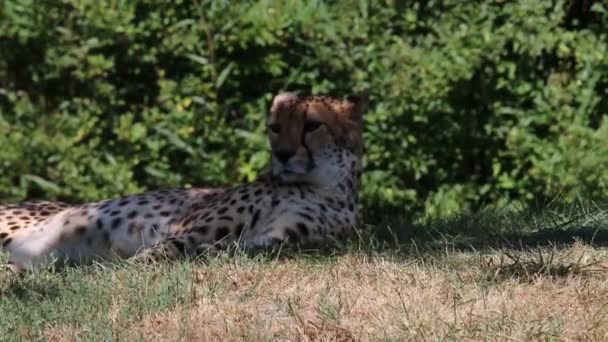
column 282, row 99
column 360, row 102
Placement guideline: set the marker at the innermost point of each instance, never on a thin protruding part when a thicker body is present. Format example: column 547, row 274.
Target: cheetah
column 309, row 196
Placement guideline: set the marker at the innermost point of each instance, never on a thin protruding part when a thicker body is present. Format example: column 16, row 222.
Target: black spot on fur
column 7, row 242
column 302, row 228
column 123, row 202
column 179, row 246
column 238, row 230
column 132, row 214
column 240, row 210
column 306, row 216
column 221, row 233
column 80, row 230
column 191, row 240
column 115, row 212
column 225, row 218
column 256, row 217
column 3, row 235
column 116, row 223
column 201, row 229
column 291, row 235
column 187, row 221
column 165, row 213
column 222, row 210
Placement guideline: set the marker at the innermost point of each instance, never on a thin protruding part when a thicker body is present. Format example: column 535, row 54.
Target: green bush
column 473, row 102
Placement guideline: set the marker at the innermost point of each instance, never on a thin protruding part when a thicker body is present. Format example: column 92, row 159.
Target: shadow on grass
column 30, row 290
column 496, row 230
column 558, row 226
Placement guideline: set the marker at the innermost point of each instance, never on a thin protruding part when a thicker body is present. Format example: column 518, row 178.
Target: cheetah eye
column 275, row 128
column 310, row 126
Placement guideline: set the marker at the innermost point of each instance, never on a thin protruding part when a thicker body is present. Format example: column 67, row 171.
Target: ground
column 490, row 276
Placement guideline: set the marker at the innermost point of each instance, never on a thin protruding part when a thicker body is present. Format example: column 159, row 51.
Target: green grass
column 497, row 275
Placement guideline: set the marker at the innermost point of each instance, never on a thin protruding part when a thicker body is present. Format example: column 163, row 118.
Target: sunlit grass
column 537, row 276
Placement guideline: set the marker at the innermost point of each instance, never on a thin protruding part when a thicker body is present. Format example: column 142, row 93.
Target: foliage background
column 473, row 102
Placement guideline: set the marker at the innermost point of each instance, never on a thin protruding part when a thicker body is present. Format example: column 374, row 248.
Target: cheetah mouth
column 287, row 176
column 289, row 173
column 292, row 173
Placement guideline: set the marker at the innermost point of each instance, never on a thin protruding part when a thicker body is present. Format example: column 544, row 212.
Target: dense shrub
column 473, row 102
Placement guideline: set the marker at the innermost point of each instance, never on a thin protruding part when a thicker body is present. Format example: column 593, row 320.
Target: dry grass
column 529, row 282
column 368, row 298
column 358, row 296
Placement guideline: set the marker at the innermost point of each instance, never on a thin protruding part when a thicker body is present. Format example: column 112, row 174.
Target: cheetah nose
column 284, row 155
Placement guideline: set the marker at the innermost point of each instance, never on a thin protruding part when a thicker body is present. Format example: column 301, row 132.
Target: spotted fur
column 308, row 197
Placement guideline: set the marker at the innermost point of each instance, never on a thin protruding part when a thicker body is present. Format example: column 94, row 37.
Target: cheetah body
column 309, row 198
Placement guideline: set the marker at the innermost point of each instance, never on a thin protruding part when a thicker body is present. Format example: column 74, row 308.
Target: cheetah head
column 316, row 139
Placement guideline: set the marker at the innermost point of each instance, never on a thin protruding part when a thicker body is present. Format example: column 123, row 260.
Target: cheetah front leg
column 284, row 234
column 302, row 232
column 175, row 247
